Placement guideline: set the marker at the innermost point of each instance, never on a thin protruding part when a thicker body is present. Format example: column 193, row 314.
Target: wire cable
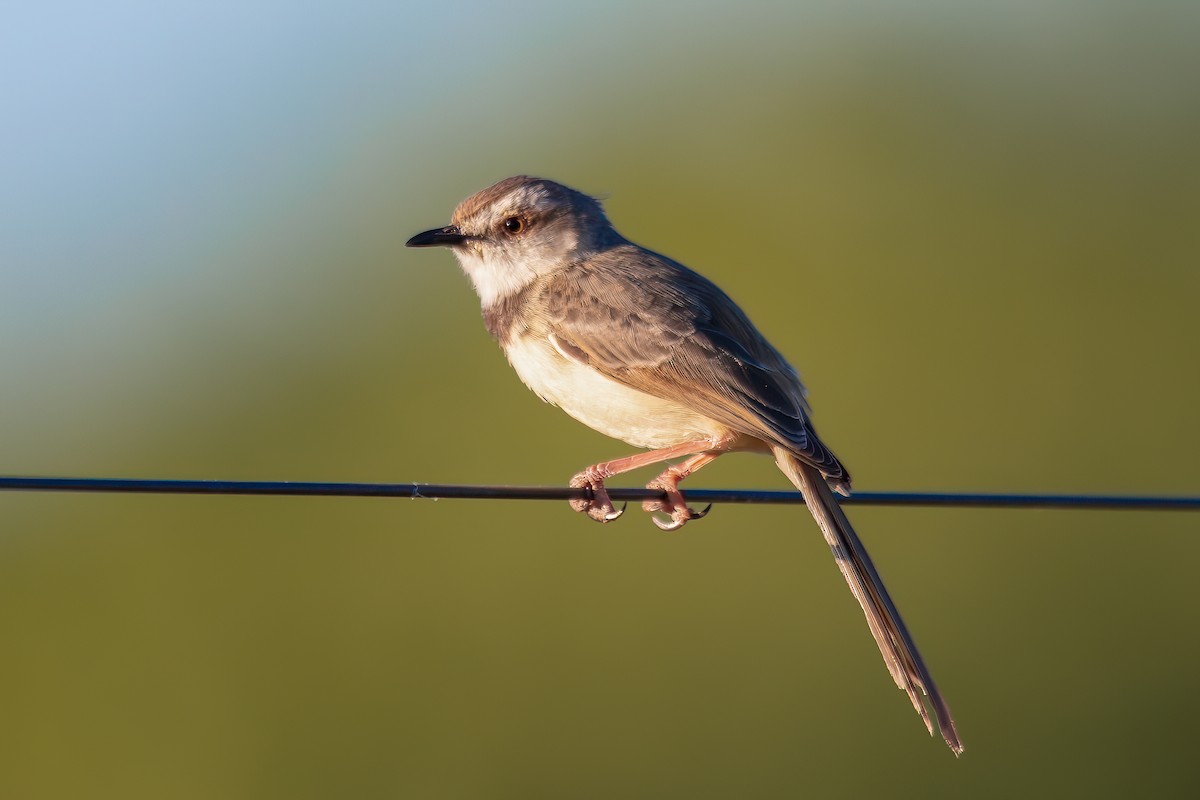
column 436, row 491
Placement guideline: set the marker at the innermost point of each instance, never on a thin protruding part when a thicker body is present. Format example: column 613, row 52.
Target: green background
column 973, row 227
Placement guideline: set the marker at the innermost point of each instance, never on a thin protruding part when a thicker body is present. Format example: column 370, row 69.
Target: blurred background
column 973, row 227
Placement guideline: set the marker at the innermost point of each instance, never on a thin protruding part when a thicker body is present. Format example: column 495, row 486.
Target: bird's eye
column 514, row 225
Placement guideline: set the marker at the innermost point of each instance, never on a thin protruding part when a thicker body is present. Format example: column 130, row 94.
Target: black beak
column 447, row 236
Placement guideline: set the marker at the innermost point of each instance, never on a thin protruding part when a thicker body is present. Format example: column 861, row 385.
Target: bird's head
column 521, row 228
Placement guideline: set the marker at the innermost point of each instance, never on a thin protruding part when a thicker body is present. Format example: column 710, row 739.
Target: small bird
column 643, row 349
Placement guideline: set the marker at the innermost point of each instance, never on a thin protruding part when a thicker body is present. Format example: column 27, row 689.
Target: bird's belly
column 606, row 405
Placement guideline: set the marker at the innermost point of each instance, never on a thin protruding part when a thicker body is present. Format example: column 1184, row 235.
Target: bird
column 643, row 349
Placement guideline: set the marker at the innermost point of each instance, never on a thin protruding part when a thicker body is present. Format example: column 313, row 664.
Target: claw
column 675, row 524
column 610, row 516
column 602, row 513
column 596, row 504
column 679, row 517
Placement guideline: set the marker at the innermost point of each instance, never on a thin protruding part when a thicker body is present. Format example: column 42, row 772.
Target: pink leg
column 668, row 482
column 600, row 507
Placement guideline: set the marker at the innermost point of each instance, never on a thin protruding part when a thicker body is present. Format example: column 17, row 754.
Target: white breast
column 603, row 404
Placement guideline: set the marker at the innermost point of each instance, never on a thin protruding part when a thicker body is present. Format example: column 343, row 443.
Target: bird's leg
column 668, row 483
column 599, row 506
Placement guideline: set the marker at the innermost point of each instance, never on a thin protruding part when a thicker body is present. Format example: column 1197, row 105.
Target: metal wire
column 434, row 491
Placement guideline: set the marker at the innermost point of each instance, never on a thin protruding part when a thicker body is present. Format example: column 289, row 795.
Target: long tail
column 899, row 652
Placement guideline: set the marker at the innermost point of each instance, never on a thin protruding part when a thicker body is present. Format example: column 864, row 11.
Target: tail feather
column 898, row 649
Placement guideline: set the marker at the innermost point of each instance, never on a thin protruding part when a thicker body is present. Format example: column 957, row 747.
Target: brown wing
column 655, row 325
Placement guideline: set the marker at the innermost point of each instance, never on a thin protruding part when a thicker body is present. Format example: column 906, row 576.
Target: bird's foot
column 672, row 504
column 597, row 505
